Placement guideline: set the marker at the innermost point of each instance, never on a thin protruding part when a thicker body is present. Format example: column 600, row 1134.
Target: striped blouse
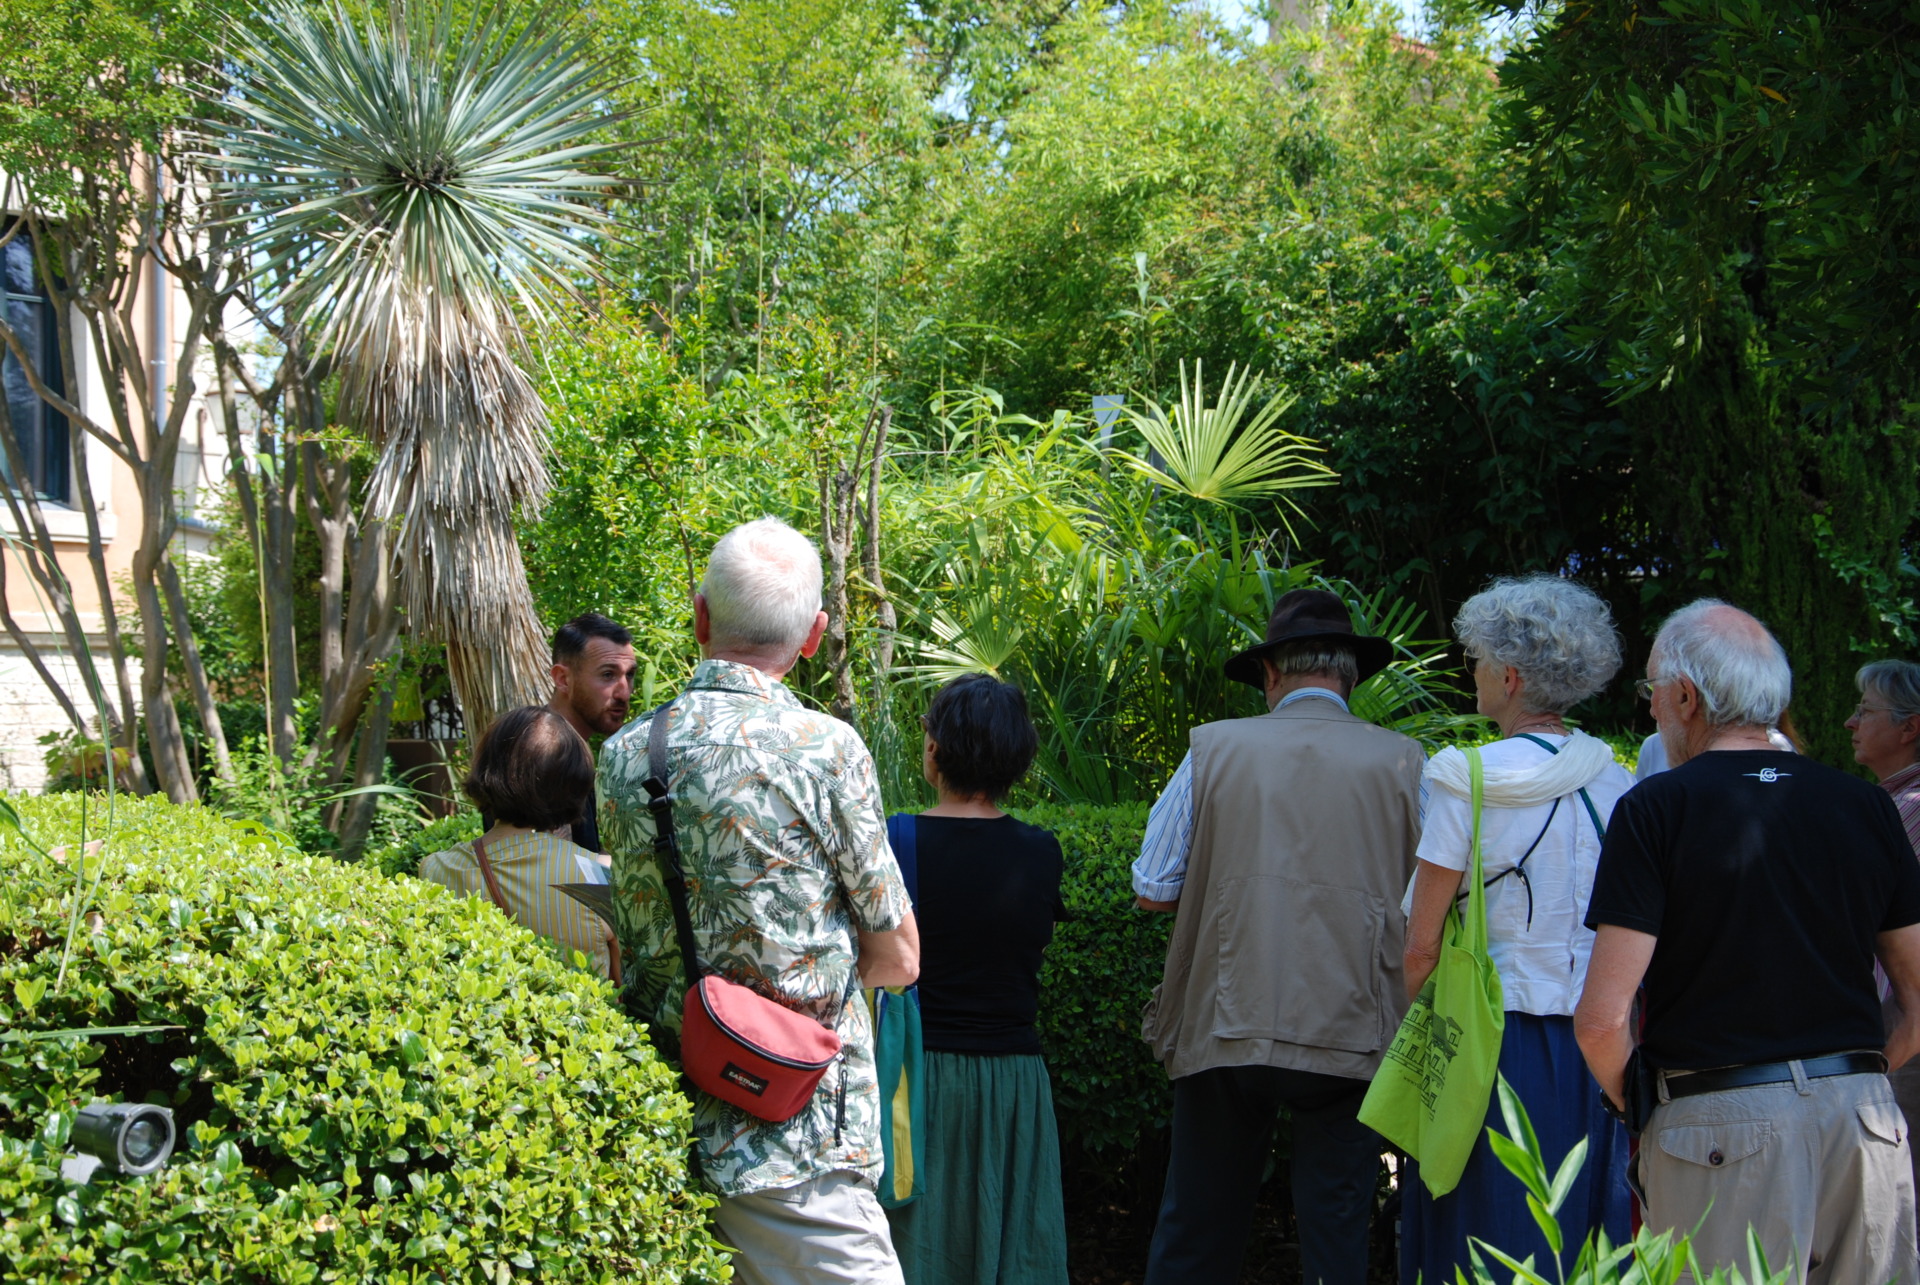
column 1904, row 786
column 527, row 867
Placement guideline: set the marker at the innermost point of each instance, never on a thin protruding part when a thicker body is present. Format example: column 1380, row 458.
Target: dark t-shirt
column 988, row 898
column 1765, row 875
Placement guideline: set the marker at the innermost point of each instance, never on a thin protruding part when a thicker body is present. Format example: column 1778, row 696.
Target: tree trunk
column 283, row 687
column 369, row 767
column 165, row 739
column 371, row 634
column 266, row 496
column 203, row 704
column 492, row 677
column 886, row 622
column 124, row 725
column 836, row 517
column 325, row 484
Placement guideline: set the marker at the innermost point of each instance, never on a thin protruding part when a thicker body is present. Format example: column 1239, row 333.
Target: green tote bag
column 1430, row 1095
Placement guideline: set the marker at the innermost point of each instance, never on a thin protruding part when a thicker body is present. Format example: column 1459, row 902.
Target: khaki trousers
column 1818, row 1168
column 1906, row 1085
column 828, row 1230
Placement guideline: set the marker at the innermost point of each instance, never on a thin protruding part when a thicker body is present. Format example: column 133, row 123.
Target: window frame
column 48, row 442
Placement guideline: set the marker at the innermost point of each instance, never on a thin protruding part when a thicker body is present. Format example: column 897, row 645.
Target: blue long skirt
column 1542, row 1062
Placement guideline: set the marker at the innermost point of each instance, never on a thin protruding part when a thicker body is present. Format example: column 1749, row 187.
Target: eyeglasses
column 1643, row 687
column 1863, row 709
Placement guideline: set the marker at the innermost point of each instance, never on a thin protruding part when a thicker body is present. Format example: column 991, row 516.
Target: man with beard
column 593, row 672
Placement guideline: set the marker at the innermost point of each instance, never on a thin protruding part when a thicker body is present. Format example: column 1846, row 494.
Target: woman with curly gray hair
column 1539, row 646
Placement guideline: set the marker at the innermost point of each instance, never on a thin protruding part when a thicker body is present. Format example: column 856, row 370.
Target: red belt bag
column 735, row 1043
column 745, row 1049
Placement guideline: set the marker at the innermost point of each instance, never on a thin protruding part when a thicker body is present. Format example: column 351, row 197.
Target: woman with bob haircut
column 1538, row 646
column 532, row 774
column 986, row 893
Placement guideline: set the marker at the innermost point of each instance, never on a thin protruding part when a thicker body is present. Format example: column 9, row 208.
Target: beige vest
column 1286, row 947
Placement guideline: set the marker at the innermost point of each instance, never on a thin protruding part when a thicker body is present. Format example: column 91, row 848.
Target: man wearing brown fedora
column 1282, row 845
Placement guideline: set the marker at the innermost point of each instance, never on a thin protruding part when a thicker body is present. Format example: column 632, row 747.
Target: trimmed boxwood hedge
column 374, row 1079
column 404, row 857
column 1109, row 1094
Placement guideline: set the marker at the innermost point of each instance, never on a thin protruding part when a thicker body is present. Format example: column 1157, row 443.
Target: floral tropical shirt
column 778, row 815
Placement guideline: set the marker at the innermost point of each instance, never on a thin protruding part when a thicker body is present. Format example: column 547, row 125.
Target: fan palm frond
column 1207, row 453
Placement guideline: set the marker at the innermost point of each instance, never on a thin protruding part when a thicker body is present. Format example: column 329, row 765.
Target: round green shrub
column 373, row 1080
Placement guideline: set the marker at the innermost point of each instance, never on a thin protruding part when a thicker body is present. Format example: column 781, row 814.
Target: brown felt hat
column 1310, row 615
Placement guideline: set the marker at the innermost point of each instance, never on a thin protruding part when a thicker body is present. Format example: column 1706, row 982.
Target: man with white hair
column 793, row 892
column 1751, row 889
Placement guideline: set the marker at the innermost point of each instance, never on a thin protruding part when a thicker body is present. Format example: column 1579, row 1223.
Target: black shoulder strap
column 666, row 845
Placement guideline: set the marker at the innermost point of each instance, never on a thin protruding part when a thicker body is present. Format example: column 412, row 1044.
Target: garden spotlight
column 131, row 1138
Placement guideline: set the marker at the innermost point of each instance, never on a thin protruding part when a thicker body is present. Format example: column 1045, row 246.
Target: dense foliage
column 404, row 857
column 1726, row 199
column 1103, row 965
column 1421, row 239
column 1111, row 591
column 372, row 1079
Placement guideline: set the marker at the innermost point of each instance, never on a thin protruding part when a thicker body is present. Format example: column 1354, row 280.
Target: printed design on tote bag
column 1428, row 1059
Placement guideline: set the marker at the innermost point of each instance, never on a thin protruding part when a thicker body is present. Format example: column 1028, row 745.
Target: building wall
column 27, row 709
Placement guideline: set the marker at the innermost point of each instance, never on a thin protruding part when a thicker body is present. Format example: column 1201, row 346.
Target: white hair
column 1557, row 634
column 1739, row 668
column 762, row 587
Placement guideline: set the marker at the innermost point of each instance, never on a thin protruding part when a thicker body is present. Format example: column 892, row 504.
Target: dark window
column 41, row 430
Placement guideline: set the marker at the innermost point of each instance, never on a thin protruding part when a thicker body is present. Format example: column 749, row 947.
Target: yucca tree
column 422, row 187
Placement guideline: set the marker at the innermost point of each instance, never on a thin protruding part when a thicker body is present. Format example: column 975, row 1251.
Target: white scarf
column 1579, row 762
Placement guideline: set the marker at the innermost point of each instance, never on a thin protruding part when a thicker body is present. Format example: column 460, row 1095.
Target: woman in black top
column 987, row 897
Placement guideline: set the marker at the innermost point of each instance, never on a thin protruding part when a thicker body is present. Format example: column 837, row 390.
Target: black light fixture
column 131, row 1138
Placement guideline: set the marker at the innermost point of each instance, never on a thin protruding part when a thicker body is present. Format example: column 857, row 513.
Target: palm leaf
column 1207, row 453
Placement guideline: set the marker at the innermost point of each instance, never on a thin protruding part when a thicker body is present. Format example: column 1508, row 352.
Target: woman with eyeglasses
column 1886, row 741
column 1538, row 646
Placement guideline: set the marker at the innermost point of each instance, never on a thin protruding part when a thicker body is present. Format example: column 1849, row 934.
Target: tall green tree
column 1732, row 205
column 99, row 202
column 780, row 140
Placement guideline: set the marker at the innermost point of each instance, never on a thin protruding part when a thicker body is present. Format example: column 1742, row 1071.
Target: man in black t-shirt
column 1751, row 890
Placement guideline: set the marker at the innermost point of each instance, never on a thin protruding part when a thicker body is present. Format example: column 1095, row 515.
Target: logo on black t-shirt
column 1767, row 775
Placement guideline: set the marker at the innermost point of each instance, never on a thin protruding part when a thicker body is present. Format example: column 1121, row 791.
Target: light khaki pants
column 826, row 1231
column 1818, row 1168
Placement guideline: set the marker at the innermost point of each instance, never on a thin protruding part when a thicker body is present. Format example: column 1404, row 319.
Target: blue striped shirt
column 1161, row 869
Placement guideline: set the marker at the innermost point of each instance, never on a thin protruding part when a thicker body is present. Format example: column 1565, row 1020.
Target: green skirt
column 991, row 1213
